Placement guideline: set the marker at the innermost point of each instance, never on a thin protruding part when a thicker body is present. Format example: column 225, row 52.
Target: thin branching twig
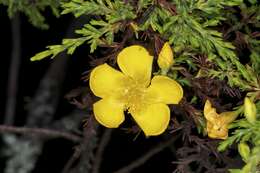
column 145, row 157
column 40, row 132
column 74, row 157
column 103, row 143
column 12, row 86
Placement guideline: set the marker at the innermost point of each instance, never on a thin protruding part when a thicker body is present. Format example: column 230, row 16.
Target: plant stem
column 40, row 132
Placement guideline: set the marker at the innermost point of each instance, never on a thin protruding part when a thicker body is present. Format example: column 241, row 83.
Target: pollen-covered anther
column 134, row 97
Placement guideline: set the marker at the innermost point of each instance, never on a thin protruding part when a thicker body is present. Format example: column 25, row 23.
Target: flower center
column 133, row 96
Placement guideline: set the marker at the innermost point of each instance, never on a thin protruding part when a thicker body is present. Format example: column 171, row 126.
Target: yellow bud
column 244, row 150
column 165, row 59
column 249, row 110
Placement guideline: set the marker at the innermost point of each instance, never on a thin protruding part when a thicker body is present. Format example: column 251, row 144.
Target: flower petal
column 136, row 62
column 154, row 119
column 105, row 81
column 164, row 90
column 109, row 113
column 228, row 117
column 210, row 112
column 217, row 132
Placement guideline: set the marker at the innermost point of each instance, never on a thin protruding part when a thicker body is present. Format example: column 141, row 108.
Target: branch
column 70, row 162
column 140, row 161
column 40, row 132
column 86, row 149
column 12, row 86
column 103, row 143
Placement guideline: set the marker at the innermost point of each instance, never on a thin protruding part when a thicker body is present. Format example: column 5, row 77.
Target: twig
column 140, row 161
column 87, row 132
column 86, row 148
column 13, row 72
column 103, row 143
column 40, row 132
column 74, row 157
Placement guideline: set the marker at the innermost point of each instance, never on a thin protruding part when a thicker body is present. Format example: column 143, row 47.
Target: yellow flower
column 133, row 90
column 217, row 124
column 165, row 58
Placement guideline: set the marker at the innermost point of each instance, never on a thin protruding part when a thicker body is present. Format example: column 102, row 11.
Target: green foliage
column 249, row 133
column 235, row 77
column 144, row 4
column 98, row 31
column 252, row 162
column 246, row 30
column 113, row 11
column 190, row 27
column 195, row 32
column 246, row 33
column 54, row 50
column 32, row 9
column 244, row 132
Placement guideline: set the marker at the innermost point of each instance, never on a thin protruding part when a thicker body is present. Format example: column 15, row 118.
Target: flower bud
column 249, row 110
column 165, row 59
column 244, row 150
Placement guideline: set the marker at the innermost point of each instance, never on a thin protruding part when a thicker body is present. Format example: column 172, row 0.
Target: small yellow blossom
column 165, row 58
column 217, row 124
column 133, row 90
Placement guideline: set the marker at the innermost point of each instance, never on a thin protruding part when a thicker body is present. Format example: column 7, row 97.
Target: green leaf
column 41, row 55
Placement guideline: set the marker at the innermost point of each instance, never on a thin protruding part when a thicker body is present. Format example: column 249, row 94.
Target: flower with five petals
column 133, row 90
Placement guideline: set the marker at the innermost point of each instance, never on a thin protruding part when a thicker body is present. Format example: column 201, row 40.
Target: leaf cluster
column 190, row 26
column 245, row 132
column 99, row 31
